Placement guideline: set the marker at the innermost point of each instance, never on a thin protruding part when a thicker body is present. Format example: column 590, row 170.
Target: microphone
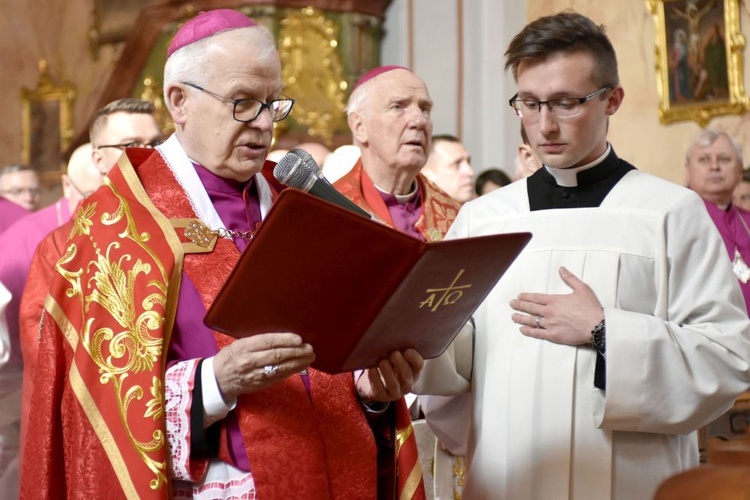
column 297, row 169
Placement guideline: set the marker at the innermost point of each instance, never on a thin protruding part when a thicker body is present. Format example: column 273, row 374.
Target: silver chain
column 228, row 233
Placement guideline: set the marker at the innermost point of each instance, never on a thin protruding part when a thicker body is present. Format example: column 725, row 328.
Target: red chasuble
column 97, row 412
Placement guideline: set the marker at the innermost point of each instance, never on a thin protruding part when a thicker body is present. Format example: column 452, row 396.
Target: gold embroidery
column 459, row 470
column 123, row 352
column 102, row 431
column 82, row 221
column 154, row 405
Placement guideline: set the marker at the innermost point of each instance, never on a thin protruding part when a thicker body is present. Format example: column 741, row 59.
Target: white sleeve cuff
column 214, row 406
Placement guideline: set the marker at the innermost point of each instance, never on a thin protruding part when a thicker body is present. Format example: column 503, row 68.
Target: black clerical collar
column 594, row 184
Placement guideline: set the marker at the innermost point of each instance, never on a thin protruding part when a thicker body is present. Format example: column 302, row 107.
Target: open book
column 354, row 289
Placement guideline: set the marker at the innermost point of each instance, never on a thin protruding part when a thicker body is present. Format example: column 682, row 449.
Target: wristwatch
column 598, row 337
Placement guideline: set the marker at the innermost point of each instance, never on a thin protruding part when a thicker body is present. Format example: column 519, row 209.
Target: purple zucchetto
column 206, row 24
column 375, row 72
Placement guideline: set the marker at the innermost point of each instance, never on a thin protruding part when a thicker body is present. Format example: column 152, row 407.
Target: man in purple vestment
column 19, row 242
column 389, row 114
column 9, row 213
column 713, row 168
column 21, row 185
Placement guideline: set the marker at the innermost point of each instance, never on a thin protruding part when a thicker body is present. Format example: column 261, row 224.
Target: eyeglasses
column 565, row 107
column 133, row 144
column 247, row 110
column 16, row 192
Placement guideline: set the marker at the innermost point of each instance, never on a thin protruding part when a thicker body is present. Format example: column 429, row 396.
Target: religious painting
column 46, row 126
column 699, row 59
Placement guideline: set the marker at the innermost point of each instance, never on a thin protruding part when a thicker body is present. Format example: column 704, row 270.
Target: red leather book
column 354, row 289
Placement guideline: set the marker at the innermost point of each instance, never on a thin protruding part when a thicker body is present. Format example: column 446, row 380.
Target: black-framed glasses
column 247, row 110
column 564, row 107
column 133, row 144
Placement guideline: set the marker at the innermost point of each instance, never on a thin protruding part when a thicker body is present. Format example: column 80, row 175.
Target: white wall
column 472, row 102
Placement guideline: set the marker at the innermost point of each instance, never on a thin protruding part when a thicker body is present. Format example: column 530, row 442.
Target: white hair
column 190, row 63
column 357, row 98
column 707, row 137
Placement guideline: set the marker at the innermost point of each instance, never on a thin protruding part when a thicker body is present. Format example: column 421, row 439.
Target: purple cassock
column 733, row 224
column 405, row 215
column 18, row 243
column 238, row 207
column 10, row 213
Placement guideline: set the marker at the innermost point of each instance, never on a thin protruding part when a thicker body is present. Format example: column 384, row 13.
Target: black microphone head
column 297, row 169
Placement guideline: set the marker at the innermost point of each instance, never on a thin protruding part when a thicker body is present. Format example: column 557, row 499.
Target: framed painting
column 699, row 59
column 46, row 126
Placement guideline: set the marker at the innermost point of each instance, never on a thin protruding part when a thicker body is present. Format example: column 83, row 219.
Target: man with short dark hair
column 618, row 331
column 526, row 160
column 741, row 193
column 490, row 180
column 449, row 166
column 124, row 123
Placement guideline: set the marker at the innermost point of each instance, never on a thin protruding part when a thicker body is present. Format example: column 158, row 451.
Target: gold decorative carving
column 699, row 59
column 152, row 91
column 46, row 124
column 312, row 71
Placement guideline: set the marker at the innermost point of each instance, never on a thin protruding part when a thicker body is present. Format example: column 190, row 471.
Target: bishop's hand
column 259, row 361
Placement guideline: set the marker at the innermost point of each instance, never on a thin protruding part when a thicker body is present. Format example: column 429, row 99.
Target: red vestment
column 38, row 281
column 97, row 411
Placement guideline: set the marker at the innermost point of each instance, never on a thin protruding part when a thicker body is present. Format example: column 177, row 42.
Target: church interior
column 64, row 61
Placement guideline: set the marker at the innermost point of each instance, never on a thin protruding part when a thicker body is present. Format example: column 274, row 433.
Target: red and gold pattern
column 101, row 362
column 109, row 302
